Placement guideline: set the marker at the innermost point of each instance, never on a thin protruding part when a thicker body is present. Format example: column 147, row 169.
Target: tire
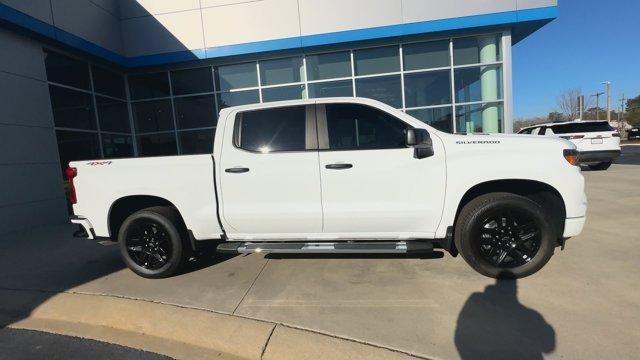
column 481, row 235
column 158, row 256
column 600, row 166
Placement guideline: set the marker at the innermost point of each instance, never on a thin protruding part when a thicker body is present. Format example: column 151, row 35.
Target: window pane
column 269, row 130
column 359, row 127
column 108, row 82
column 386, row 89
column 236, row 76
column 331, row 89
column 425, row 89
column 329, row 66
column 283, row 93
column 195, row 111
column 476, row 50
column 427, row 55
column 238, row 98
column 280, row 71
column 478, row 84
column 65, row 70
column 150, row 116
column 196, row 142
column 192, row 81
column 75, row 145
column 113, row 115
column 117, row 146
column 582, row 127
column 157, row 144
column 72, row 109
column 439, row 118
column 146, row 86
column 479, row 118
column 377, row 61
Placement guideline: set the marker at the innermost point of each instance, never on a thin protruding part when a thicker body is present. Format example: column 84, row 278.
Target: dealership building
column 100, row 79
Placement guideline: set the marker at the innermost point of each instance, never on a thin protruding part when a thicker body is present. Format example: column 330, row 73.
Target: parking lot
column 583, row 304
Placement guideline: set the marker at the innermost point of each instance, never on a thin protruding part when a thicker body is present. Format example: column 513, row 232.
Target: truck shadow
column 493, row 324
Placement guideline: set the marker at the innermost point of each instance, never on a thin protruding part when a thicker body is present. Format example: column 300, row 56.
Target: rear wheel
column 503, row 235
column 600, row 166
column 152, row 242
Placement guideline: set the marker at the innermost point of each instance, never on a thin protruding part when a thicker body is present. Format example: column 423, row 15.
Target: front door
column 372, row 186
column 270, row 183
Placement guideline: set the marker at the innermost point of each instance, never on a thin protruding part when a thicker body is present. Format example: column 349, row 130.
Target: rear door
column 372, row 186
column 270, row 184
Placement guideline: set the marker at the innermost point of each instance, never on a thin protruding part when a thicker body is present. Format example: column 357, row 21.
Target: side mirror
column 421, row 141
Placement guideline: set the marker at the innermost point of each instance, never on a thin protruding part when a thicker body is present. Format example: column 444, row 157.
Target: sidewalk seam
column 266, row 344
column 250, row 287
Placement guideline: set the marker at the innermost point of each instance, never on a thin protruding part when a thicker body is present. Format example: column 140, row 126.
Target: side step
column 378, row 247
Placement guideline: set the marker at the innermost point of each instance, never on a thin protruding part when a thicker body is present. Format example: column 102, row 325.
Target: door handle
column 237, row 170
column 338, row 166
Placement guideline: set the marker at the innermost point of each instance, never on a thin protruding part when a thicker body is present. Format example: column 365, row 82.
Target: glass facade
column 455, row 85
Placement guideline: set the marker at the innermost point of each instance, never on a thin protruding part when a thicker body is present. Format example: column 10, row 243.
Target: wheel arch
column 127, row 205
column 545, row 195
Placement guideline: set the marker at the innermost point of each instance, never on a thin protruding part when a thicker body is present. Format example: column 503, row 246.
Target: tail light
column 572, row 137
column 571, row 155
column 72, row 173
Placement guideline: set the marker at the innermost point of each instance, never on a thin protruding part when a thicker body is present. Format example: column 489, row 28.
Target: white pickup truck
column 337, row 175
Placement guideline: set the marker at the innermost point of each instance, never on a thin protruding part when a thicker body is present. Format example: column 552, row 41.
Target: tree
column 633, row 111
column 555, row 116
column 569, row 104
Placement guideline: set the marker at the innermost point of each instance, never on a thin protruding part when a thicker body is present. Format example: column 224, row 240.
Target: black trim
column 215, row 193
column 598, row 156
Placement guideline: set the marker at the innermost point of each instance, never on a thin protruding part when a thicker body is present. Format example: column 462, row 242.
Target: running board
column 379, row 247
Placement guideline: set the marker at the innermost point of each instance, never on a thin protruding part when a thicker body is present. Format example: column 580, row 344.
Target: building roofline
column 522, row 22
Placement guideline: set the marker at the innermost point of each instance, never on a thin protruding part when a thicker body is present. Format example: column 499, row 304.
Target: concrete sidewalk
column 428, row 307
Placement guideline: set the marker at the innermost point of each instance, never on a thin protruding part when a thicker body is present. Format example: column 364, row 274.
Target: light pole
column 608, row 84
column 597, row 96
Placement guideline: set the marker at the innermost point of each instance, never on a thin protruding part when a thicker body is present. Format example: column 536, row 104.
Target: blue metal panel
column 522, row 22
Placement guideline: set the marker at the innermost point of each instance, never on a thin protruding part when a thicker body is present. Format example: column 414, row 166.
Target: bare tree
column 569, row 104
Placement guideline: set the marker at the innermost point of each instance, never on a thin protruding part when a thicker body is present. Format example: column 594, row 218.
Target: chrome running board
column 354, row 247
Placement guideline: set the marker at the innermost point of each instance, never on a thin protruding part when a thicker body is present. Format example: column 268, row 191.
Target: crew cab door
column 270, row 184
column 372, row 185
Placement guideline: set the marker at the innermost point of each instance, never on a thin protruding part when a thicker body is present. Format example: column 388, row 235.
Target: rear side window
column 360, row 127
column 582, row 127
column 272, row 130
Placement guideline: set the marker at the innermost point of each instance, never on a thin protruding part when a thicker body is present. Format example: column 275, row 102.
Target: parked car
column 597, row 142
column 337, row 175
column 633, row 134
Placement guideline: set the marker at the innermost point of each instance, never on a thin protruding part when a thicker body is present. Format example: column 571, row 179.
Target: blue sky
column 590, row 42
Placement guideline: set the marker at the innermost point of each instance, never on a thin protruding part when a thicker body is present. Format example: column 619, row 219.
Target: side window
column 360, row 127
column 272, row 130
column 535, row 131
column 549, row 131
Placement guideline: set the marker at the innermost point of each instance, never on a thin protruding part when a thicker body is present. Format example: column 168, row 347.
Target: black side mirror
column 421, row 141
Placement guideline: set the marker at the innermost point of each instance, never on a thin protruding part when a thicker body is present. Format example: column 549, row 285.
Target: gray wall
column 31, row 191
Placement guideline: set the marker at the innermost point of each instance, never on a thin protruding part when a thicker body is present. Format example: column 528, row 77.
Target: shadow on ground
column 493, row 324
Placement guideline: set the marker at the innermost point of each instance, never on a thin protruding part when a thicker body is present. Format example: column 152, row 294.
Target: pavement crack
column 250, row 287
column 266, row 344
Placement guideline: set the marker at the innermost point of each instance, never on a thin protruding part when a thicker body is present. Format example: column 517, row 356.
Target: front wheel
column 152, row 242
column 503, row 235
column 600, row 166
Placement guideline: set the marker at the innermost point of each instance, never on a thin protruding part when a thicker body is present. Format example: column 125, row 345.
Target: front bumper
column 573, row 226
column 86, row 229
column 598, row 156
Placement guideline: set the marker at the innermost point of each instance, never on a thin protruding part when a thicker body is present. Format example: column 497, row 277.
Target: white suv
column 598, row 143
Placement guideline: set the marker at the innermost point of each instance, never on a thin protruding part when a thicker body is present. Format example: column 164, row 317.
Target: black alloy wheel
column 148, row 244
column 505, row 235
column 508, row 239
column 153, row 242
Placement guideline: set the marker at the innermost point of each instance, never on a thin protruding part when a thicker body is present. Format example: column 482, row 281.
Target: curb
column 178, row 332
